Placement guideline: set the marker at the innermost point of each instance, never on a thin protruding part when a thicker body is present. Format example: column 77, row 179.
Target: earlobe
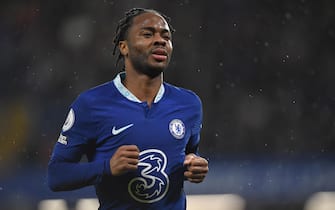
column 123, row 48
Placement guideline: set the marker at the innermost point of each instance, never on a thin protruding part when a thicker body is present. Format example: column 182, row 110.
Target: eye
column 166, row 36
column 147, row 34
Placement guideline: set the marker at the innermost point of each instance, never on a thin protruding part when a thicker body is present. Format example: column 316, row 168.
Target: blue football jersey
column 108, row 116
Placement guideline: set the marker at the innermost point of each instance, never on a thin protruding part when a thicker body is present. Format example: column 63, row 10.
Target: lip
column 159, row 54
column 159, row 51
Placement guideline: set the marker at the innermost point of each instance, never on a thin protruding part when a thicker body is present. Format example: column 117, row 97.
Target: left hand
column 197, row 168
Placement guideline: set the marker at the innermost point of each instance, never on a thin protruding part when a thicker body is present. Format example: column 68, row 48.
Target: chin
column 151, row 69
column 153, row 72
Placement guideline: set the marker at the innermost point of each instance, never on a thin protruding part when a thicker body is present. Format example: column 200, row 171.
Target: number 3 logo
column 151, row 183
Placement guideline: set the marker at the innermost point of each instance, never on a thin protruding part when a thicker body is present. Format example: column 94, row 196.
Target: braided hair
column 125, row 23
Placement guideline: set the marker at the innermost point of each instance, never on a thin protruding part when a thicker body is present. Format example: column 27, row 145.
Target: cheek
column 169, row 47
column 136, row 53
column 139, row 47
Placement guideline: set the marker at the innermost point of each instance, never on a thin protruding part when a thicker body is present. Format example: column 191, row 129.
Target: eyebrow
column 152, row 29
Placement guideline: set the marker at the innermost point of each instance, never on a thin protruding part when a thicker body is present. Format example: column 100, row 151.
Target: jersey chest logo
column 119, row 130
column 151, row 183
column 177, row 128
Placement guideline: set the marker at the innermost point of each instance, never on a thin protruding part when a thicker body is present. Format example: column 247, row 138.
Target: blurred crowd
column 264, row 70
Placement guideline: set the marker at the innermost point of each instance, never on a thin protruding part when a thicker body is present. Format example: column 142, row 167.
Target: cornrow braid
column 124, row 24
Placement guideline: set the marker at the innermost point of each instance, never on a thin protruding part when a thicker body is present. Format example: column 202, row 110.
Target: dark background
column 265, row 71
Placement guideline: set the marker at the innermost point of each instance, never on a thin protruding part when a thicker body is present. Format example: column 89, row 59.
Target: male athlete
column 139, row 133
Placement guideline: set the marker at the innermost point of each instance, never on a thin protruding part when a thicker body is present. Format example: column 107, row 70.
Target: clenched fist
column 196, row 168
column 124, row 159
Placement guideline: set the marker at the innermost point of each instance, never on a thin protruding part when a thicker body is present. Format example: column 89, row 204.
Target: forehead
column 150, row 20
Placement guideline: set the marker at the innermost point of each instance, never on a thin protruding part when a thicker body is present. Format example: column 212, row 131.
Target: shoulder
column 182, row 94
column 94, row 94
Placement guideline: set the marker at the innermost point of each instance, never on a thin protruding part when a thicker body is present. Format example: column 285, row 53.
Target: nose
column 159, row 40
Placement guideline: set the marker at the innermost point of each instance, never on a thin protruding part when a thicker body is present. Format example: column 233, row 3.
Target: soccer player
column 139, row 133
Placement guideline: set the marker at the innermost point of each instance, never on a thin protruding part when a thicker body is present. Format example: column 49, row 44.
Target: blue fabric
column 164, row 133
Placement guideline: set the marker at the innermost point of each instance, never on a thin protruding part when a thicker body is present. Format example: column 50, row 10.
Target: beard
column 141, row 65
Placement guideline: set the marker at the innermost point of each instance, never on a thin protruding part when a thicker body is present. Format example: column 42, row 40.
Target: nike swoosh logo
column 117, row 131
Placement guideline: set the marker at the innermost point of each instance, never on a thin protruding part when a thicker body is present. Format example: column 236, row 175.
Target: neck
column 142, row 86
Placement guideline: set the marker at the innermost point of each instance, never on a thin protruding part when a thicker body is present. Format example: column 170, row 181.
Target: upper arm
column 77, row 131
column 193, row 143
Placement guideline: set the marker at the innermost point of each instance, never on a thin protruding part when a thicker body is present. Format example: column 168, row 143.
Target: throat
column 143, row 91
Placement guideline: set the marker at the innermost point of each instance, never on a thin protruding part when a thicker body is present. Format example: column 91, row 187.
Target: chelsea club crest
column 177, row 128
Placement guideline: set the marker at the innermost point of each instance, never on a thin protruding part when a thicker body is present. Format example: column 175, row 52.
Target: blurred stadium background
column 265, row 71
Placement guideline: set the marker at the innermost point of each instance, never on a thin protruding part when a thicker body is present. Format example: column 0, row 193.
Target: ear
column 123, row 47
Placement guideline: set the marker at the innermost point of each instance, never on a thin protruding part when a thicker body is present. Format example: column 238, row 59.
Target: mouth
column 159, row 54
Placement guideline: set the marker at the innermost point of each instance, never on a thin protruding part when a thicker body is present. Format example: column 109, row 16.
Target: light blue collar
column 126, row 93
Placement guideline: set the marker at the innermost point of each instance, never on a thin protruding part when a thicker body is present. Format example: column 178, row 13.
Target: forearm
column 63, row 176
